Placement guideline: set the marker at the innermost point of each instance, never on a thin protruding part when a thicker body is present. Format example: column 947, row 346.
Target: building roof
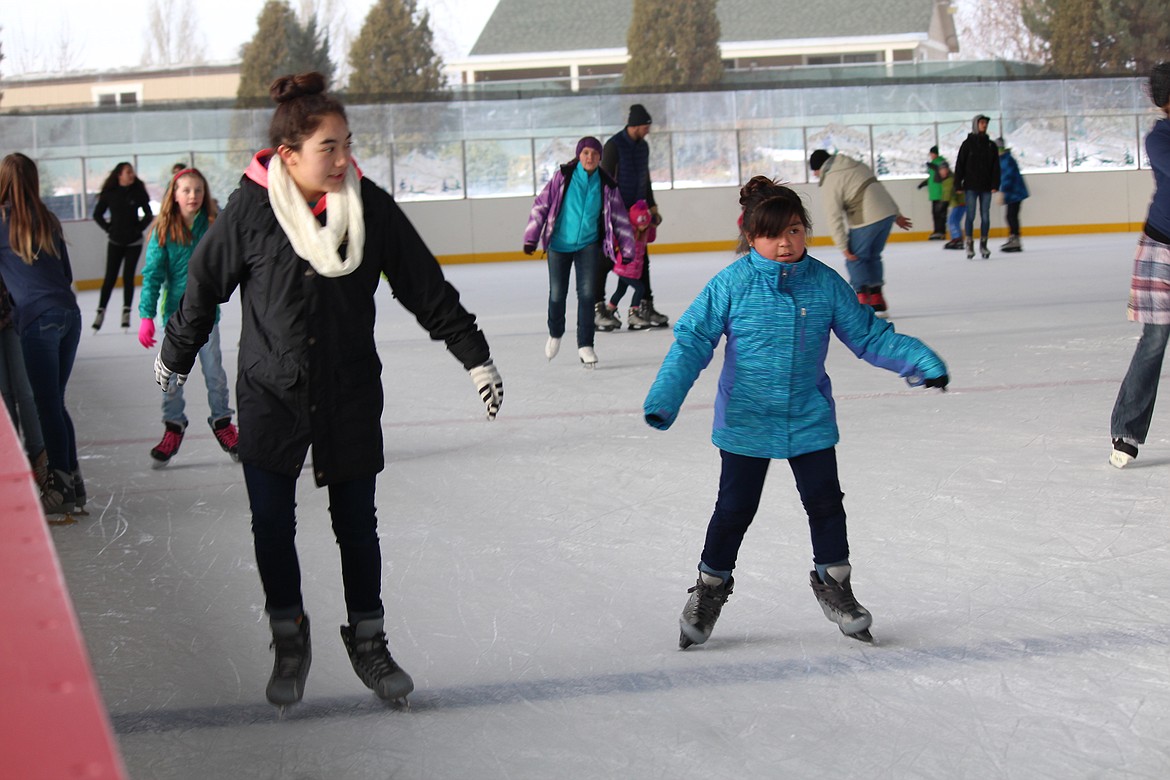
column 522, row 26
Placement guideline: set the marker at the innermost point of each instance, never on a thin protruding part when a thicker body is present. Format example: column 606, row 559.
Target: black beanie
column 638, row 116
column 817, row 159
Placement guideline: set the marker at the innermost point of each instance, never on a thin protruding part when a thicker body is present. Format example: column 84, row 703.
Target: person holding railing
column 34, row 263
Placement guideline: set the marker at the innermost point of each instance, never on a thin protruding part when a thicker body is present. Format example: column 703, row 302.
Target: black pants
column 938, row 210
column 606, row 265
column 1013, row 218
column 742, row 482
column 126, row 258
column 274, row 529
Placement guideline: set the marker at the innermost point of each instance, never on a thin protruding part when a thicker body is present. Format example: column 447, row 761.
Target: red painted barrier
column 53, row 724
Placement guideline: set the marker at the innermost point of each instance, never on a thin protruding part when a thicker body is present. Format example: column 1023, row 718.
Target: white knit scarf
column 310, row 239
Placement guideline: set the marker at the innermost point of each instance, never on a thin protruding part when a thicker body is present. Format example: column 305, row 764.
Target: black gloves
column 940, row 382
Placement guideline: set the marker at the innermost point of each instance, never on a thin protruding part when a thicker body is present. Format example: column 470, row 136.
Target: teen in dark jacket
column 306, row 240
column 124, row 196
column 977, row 175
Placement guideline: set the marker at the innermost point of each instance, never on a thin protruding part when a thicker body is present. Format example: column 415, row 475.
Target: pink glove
column 146, row 332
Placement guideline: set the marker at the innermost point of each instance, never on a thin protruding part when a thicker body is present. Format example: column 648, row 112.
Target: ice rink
column 535, row 566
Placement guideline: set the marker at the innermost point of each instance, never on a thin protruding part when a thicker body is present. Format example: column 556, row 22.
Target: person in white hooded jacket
column 861, row 214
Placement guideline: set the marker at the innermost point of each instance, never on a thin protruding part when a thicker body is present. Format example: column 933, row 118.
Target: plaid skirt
column 1149, row 290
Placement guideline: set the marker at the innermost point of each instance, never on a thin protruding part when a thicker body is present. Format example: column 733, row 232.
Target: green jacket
column 934, row 187
column 165, row 272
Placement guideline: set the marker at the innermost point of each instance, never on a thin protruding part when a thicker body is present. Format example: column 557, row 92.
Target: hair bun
column 293, row 86
column 757, row 187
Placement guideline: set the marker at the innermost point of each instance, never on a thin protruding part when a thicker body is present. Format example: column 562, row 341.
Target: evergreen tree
column 673, row 43
column 1135, row 35
column 1089, row 37
column 281, row 46
column 394, row 53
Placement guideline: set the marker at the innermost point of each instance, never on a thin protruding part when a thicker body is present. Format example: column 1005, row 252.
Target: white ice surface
column 535, row 566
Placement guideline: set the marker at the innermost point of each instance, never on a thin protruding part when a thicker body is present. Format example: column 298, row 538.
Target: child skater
column 774, row 396
column 186, row 212
column 124, row 196
column 306, row 239
column 1149, row 293
column 629, row 270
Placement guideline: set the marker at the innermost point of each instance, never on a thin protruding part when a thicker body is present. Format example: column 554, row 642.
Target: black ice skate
column 970, row 249
column 835, row 595
column 294, row 654
column 371, row 659
column 702, row 609
column 984, row 252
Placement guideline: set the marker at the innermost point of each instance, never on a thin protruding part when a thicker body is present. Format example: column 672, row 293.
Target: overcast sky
column 111, row 33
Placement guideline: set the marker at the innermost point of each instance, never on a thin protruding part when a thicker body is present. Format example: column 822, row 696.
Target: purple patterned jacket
column 547, row 205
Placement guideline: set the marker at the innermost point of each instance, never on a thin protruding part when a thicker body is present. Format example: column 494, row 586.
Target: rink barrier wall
column 53, row 723
column 487, row 230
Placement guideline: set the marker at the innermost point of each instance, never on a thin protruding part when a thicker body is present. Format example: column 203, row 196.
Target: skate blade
column 63, row 519
column 1119, row 459
column 158, row 464
column 862, row 636
column 684, row 641
column 588, row 366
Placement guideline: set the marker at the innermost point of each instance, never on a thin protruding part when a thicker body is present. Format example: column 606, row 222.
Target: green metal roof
column 522, row 26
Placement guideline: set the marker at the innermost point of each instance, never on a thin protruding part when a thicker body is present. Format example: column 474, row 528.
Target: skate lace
column 170, row 442
column 228, row 436
column 375, row 659
column 839, row 598
column 710, row 602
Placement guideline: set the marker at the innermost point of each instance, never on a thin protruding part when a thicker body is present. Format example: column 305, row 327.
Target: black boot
column 370, row 656
column 294, row 654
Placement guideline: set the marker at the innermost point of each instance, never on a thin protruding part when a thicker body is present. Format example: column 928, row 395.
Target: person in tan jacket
column 861, row 214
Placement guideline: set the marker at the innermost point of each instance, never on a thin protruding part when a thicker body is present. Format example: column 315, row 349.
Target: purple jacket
column 547, row 205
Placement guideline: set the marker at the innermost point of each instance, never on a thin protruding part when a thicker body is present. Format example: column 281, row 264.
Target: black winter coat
column 125, row 226
column 309, row 372
column 977, row 165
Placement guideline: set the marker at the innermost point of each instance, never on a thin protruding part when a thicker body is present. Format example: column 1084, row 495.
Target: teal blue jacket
column 774, row 398
column 165, row 272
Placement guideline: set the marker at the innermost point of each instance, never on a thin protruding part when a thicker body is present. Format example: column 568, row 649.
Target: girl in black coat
column 124, row 196
column 306, row 239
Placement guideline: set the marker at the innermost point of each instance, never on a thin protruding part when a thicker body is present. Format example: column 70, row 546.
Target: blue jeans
column 868, row 243
column 982, row 200
column 211, row 361
column 586, row 260
column 50, row 345
column 274, row 529
column 1134, row 408
column 18, row 393
column 741, row 484
column 955, row 222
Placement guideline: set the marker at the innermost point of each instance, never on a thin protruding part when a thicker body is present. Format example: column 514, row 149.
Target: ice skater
column 1149, row 292
column 34, row 262
column 977, row 177
column 306, row 239
column 774, row 399
column 123, row 196
column 186, row 212
column 579, row 217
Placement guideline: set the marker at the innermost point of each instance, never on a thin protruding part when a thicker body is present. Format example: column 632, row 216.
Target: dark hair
column 768, row 208
column 301, row 104
column 112, row 180
column 1160, row 84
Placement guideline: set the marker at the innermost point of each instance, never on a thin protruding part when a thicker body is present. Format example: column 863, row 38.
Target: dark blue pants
column 742, row 482
column 274, row 528
column 49, row 344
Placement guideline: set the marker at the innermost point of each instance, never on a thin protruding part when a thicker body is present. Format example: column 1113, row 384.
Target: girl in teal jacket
column 776, row 306
column 187, row 211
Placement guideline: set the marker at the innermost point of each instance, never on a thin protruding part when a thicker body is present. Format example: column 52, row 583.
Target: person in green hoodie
column 187, row 211
column 939, row 187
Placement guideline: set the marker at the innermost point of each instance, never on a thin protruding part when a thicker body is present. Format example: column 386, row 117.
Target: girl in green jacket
column 187, row 211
